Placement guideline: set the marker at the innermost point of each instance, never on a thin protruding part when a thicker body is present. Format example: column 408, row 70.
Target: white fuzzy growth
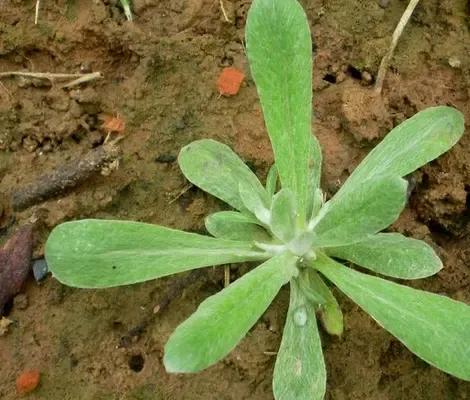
column 264, row 216
column 300, row 316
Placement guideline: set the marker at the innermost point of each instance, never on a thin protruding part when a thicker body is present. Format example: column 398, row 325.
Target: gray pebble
column 40, row 269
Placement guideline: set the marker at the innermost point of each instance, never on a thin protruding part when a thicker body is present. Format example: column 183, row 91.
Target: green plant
column 293, row 232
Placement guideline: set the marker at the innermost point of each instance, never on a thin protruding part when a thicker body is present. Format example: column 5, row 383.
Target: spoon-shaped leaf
column 279, row 49
column 315, row 200
column 391, row 254
column 413, row 143
column 283, row 215
column 222, row 320
column 255, row 202
column 235, row 226
column 100, row 254
column 353, row 216
column 436, row 328
column 299, row 373
column 216, row 169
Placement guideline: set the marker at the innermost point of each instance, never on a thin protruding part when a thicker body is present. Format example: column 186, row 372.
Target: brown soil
column 160, row 76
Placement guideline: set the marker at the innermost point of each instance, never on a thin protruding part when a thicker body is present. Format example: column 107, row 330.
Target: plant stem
column 396, row 35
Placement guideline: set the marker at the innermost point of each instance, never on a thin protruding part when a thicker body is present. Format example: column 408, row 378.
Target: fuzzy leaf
column 216, row 169
column 222, row 320
column 413, row 143
column 353, row 216
column 317, row 291
column 315, row 191
column 279, row 50
column 271, row 181
column 299, row 372
column 235, row 226
column 100, row 253
column 255, row 202
column 283, row 215
column 393, row 255
column 436, row 328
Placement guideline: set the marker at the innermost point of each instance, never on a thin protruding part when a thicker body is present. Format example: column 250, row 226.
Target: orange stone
column 27, row 381
column 229, row 81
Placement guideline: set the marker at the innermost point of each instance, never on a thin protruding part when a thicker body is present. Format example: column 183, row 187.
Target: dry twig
column 64, row 177
column 396, row 35
column 36, row 13
column 76, row 79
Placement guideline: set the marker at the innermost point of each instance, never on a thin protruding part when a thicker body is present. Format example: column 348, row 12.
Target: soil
column 160, row 75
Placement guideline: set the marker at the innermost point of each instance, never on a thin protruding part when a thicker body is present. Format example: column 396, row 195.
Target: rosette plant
column 288, row 228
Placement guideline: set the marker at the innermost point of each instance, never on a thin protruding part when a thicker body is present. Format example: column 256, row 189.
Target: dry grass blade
column 396, row 35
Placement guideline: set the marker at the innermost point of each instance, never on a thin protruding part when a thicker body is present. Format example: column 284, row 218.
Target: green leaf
column 299, row 372
column 279, row 50
column 413, row 143
column 271, row 181
column 350, row 217
column 100, row 254
column 283, row 215
column 222, row 320
column 255, row 202
column 393, row 255
column 216, row 169
column 235, row 226
column 316, row 290
column 316, row 199
column 436, row 328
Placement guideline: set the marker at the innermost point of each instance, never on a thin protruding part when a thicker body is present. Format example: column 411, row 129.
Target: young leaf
column 391, row 254
column 299, row 372
column 271, row 181
column 283, row 215
column 100, row 254
column 256, row 203
column 279, row 50
column 235, row 226
column 436, row 328
column 351, row 217
column 319, row 293
column 316, row 193
column 413, row 143
column 222, row 320
column 216, row 169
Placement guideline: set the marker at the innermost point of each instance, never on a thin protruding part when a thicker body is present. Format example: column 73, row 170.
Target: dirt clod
column 15, row 263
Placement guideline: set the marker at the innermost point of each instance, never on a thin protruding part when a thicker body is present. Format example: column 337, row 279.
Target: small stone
column 367, row 77
column 27, row 381
column 455, row 62
column 75, row 110
column 29, row 144
column 46, row 146
column 85, row 67
column 229, row 81
column 40, row 269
